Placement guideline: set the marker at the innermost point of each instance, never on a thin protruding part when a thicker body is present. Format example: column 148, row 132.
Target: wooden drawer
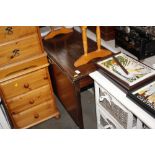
column 30, row 99
column 19, row 68
column 8, row 33
column 20, row 49
column 35, row 115
column 25, row 83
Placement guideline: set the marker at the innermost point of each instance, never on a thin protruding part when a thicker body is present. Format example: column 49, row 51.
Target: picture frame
column 138, row 73
column 144, row 97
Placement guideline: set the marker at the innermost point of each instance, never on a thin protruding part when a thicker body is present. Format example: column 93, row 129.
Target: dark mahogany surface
column 62, row 51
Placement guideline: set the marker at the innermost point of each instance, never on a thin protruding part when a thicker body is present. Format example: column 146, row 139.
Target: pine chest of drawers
column 25, row 84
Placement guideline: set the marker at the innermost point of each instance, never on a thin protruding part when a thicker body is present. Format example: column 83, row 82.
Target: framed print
column 137, row 72
column 145, row 97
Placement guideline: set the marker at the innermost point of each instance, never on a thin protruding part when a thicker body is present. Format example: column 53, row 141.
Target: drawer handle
column 105, row 97
column 45, row 78
column 13, row 113
column 101, row 98
column 26, row 85
column 15, row 53
column 36, row 116
column 31, row 101
column 9, row 30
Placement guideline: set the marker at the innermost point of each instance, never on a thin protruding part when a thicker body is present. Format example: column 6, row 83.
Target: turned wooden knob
column 45, row 78
column 36, row 116
column 26, row 85
column 13, row 113
column 31, row 101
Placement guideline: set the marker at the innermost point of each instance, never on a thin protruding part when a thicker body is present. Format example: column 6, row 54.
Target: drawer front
column 34, row 115
column 25, row 83
column 8, row 33
column 20, row 50
column 28, row 65
column 114, row 107
column 106, row 121
column 30, row 99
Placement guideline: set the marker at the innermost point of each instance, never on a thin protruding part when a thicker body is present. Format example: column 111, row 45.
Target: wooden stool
column 86, row 57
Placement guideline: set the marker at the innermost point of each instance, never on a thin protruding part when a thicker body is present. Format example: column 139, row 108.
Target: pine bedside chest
column 25, row 84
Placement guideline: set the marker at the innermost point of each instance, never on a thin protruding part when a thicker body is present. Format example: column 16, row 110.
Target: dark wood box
column 107, row 32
